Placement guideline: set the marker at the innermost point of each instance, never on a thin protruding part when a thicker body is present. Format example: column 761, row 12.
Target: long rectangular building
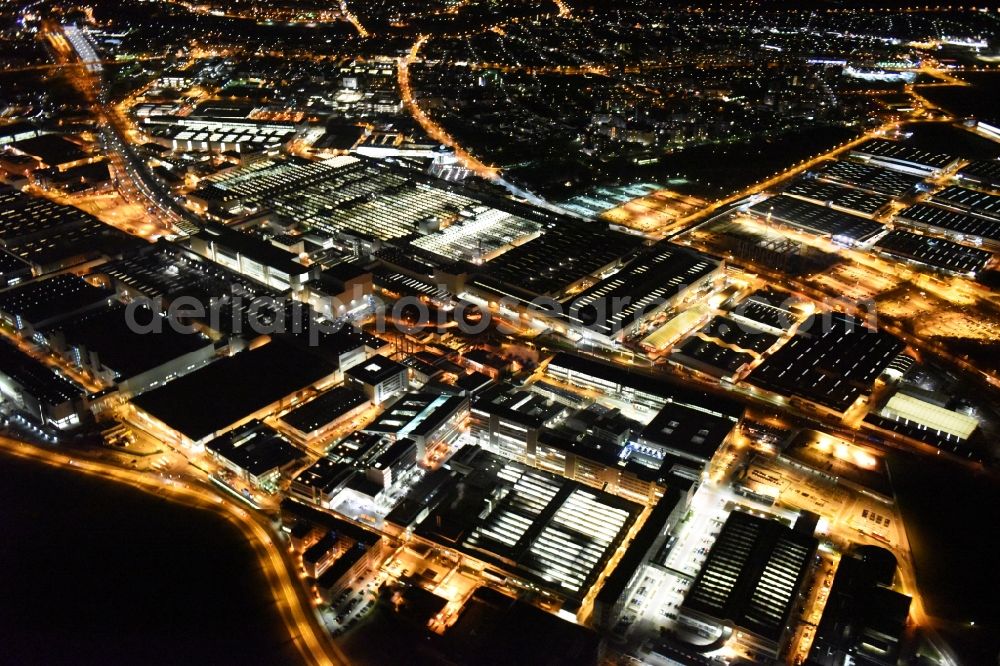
column 251, row 256
column 229, row 392
column 646, row 286
column 869, row 178
column 972, row 201
column 833, row 361
column 983, row 173
column 631, row 386
column 49, row 236
column 816, row 219
column 937, row 253
column 962, row 226
column 904, row 157
column 847, row 199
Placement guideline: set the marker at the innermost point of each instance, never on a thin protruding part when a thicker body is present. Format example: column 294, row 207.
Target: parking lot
column 350, row 606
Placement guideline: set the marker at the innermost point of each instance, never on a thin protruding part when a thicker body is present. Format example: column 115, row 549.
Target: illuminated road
column 301, row 620
column 564, row 10
column 428, row 124
column 75, row 65
column 349, row 15
column 131, row 177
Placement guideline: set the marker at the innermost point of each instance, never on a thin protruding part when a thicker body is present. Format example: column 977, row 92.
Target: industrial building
column 980, row 173
column 251, row 256
column 202, row 133
column 310, row 422
column 49, row 236
column 13, row 270
column 864, row 619
column 103, row 343
column 838, row 197
column 649, row 284
column 833, row 361
column 768, row 311
column 589, row 447
column 343, row 195
column 904, row 158
column 688, row 432
column 962, row 227
column 38, row 305
column 380, row 378
column 869, row 178
column 937, row 253
column 568, row 256
column 647, row 546
column 534, row 526
column 340, row 290
column 426, row 418
column 971, row 201
column 749, row 585
column 921, row 412
column 350, row 550
column 322, row 481
column 38, row 390
column 229, row 392
column 479, row 235
column 256, row 453
column 634, row 387
column 816, row 219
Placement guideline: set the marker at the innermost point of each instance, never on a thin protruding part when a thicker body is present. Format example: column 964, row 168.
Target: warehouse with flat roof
column 816, row 219
column 904, row 157
column 231, row 391
column 750, row 581
column 937, row 253
column 960, row 225
column 869, row 178
column 645, row 286
column 833, row 361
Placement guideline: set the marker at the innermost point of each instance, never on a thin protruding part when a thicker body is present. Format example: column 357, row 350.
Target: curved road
column 303, row 624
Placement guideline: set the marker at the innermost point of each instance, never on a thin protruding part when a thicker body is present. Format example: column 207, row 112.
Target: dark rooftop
column 816, row 218
column 869, row 177
column 36, row 378
column 52, row 149
column 43, row 302
column 934, row 252
column 752, row 574
column 228, row 390
column 903, row 152
column 128, row 353
column 652, row 277
column 496, row 630
column 942, row 218
column 376, row 369
column 326, row 475
column 256, row 448
column 693, row 433
column 325, row 409
column 836, row 359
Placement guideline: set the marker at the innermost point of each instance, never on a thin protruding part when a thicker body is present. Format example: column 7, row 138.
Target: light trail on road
column 304, row 627
column 429, row 126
